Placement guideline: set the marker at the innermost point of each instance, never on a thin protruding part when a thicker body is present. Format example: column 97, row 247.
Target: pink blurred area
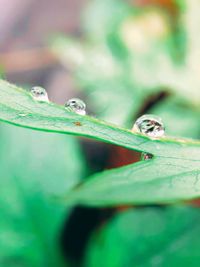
column 25, row 28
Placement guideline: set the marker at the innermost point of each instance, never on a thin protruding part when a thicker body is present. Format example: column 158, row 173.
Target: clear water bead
column 76, row 105
column 150, row 125
column 39, row 94
column 146, row 156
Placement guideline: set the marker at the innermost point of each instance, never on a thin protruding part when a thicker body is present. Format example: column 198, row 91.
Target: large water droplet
column 39, row 94
column 150, row 125
column 76, row 105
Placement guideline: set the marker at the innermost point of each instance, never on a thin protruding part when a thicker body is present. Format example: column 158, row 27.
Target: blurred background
column 26, row 29
column 124, row 58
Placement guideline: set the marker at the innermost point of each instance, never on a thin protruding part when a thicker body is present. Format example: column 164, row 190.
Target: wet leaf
column 172, row 175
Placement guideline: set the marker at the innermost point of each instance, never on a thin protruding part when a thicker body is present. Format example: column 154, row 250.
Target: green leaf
column 19, row 108
column 173, row 173
column 164, row 179
column 33, row 166
column 147, row 237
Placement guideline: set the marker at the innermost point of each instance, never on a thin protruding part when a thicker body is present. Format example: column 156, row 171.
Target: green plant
column 161, row 182
column 172, row 175
column 42, row 180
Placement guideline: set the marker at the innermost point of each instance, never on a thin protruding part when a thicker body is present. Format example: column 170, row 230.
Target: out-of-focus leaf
column 102, row 79
column 101, row 20
column 33, row 166
column 179, row 118
column 130, row 42
column 155, row 68
column 147, row 237
column 150, row 51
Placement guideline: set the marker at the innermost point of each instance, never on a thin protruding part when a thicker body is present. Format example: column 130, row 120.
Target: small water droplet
column 150, row 125
column 76, row 105
column 146, row 156
column 39, row 94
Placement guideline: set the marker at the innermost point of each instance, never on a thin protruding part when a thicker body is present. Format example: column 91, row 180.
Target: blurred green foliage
column 34, row 167
column 131, row 53
column 147, row 237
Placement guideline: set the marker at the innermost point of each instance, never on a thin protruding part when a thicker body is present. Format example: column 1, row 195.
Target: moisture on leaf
column 172, row 175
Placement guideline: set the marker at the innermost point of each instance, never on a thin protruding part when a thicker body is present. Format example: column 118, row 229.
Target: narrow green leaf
column 18, row 107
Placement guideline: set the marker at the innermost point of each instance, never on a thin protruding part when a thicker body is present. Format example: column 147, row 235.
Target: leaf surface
column 172, row 175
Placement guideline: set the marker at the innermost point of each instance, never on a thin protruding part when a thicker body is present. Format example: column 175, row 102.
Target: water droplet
column 39, row 94
column 76, row 105
column 150, row 125
column 146, row 156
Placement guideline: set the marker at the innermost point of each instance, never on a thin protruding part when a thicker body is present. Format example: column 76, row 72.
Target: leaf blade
column 168, row 151
column 154, row 181
column 18, row 107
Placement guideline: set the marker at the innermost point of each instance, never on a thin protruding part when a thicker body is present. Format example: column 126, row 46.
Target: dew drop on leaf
column 150, row 125
column 76, row 105
column 146, row 156
column 39, row 94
